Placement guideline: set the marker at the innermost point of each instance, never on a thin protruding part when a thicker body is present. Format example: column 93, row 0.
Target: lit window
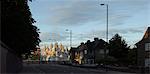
column 147, row 47
column 85, row 51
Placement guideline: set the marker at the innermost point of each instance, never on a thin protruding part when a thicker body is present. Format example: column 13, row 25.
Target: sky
column 87, row 19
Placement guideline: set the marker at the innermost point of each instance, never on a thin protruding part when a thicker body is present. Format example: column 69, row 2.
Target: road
column 62, row 69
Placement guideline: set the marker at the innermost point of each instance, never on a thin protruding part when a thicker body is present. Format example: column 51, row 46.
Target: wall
column 10, row 63
column 140, row 56
column 3, row 59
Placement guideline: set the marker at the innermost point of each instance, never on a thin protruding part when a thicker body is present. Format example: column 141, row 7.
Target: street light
column 70, row 37
column 105, row 54
column 106, row 22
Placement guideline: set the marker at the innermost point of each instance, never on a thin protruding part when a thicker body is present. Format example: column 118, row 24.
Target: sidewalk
column 126, row 69
column 86, row 65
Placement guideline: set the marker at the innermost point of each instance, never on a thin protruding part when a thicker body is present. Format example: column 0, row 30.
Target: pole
column 107, row 23
column 70, row 39
column 105, row 51
column 106, row 38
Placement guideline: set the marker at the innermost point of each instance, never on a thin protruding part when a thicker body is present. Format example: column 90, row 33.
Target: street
column 62, row 69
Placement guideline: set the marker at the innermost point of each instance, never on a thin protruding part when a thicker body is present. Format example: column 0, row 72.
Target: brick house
column 143, row 50
column 89, row 52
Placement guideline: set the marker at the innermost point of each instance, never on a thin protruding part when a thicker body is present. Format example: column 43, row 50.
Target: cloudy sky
column 87, row 19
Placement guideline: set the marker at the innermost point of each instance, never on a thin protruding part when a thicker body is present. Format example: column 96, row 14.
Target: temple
column 54, row 52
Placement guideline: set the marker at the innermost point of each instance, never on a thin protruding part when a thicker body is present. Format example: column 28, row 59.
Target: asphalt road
column 62, row 69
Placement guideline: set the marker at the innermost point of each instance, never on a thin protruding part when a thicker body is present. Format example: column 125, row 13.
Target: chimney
column 95, row 39
column 82, row 43
column 88, row 41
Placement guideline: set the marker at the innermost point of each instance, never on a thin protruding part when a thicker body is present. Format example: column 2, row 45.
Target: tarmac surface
column 63, row 69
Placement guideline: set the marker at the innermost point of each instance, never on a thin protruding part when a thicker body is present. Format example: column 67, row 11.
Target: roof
column 73, row 49
column 146, row 37
column 147, row 33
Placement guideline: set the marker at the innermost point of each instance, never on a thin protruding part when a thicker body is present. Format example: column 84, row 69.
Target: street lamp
column 70, row 37
column 105, row 54
column 106, row 22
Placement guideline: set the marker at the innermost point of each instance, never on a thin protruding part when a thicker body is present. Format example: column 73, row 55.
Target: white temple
column 54, row 52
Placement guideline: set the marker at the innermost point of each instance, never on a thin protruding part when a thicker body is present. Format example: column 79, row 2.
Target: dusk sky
column 87, row 19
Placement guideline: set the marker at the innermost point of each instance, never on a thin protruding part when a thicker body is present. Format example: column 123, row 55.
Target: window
column 85, row 51
column 147, row 62
column 147, row 47
column 101, row 51
column 147, row 54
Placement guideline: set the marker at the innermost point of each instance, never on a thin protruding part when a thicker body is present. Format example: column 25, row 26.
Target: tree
column 132, row 56
column 118, row 48
column 18, row 31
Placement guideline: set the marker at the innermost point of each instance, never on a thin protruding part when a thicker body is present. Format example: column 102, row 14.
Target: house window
column 147, row 62
column 101, row 51
column 147, row 47
column 85, row 51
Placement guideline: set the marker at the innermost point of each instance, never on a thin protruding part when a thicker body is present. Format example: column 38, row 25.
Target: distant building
column 89, row 57
column 54, row 52
column 89, row 52
column 72, row 54
column 37, row 52
column 99, row 46
column 143, row 51
column 77, row 54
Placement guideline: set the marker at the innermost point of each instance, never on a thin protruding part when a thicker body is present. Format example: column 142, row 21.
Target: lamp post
column 70, row 37
column 105, row 53
column 106, row 22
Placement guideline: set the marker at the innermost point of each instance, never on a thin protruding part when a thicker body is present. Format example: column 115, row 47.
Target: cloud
column 76, row 13
column 80, row 12
column 126, row 31
column 52, row 37
column 102, row 33
column 77, row 38
column 59, row 14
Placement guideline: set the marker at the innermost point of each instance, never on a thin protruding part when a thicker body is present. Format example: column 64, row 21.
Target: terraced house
column 143, row 51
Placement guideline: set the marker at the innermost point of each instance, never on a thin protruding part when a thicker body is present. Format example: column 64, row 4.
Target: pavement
column 62, row 69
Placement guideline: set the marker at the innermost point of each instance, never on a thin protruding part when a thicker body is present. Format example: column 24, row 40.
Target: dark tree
column 118, row 48
column 132, row 56
column 18, row 31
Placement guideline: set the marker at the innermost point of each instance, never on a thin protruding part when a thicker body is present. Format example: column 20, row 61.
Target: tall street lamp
column 106, row 22
column 70, row 37
column 105, row 54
